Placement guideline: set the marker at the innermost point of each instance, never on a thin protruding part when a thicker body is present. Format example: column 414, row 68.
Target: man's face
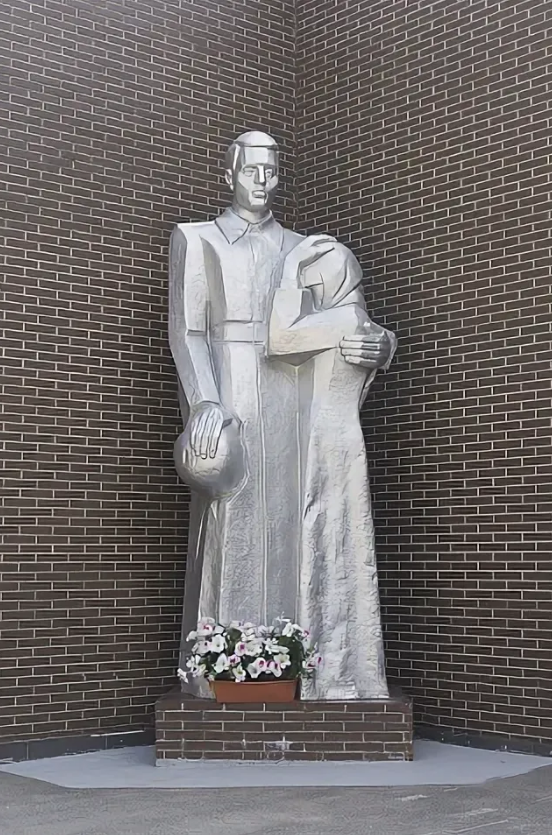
column 255, row 179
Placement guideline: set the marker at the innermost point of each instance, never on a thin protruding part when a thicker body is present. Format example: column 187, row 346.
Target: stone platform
column 196, row 729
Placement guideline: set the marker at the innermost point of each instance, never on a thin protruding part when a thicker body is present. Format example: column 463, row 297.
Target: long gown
column 338, row 601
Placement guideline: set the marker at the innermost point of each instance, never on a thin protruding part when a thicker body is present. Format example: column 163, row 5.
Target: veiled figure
column 275, row 353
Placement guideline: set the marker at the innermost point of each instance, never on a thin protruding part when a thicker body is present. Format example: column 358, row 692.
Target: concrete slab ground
column 434, row 764
column 512, row 806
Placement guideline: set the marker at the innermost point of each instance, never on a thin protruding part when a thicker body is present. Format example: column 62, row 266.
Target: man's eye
column 248, row 171
column 269, row 172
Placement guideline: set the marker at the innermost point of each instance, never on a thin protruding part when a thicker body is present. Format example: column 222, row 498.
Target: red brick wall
column 423, row 135
column 119, row 114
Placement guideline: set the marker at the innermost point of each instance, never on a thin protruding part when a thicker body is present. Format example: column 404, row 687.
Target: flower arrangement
column 242, row 652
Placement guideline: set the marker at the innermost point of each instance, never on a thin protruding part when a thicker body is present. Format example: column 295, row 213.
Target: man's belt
column 253, row 332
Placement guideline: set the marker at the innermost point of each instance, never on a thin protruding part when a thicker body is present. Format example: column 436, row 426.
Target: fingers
column 197, row 431
column 363, row 361
column 366, row 353
column 362, row 349
column 361, row 338
column 205, row 437
column 205, row 432
column 368, row 350
column 211, row 436
column 367, row 344
column 215, row 435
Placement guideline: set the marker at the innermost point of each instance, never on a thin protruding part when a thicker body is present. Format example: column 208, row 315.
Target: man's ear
column 229, row 178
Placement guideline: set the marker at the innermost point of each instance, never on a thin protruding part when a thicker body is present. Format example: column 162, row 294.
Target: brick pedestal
column 368, row 730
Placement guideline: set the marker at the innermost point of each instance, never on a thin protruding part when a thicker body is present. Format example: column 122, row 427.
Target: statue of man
column 274, row 353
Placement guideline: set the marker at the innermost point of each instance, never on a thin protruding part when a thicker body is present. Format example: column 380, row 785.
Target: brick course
column 199, row 729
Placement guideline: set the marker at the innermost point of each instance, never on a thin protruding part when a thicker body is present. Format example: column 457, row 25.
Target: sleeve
column 188, row 318
column 316, row 316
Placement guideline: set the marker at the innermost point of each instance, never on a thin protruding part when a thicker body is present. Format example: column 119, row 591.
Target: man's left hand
column 370, row 350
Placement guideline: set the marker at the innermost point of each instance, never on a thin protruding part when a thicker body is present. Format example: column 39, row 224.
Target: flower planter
column 254, row 692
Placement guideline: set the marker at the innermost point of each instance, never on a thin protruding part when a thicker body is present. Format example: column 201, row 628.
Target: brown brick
column 437, row 178
column 95, row 521
column 309, row 739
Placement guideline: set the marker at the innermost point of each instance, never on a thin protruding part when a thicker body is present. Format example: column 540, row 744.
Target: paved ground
column 134, row 768
column 513, row 806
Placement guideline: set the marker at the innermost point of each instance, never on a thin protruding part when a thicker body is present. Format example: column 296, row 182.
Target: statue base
column 197, row 729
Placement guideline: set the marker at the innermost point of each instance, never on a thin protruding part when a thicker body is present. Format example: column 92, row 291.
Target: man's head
column 252, row 171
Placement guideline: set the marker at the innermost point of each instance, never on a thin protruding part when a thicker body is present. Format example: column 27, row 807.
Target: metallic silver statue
column 275, row 354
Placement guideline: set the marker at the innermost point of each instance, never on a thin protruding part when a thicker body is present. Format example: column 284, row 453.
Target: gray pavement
column 513, row 806
column 134, row 768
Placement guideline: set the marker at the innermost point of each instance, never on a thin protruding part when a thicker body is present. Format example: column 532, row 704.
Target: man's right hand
column 206, row 427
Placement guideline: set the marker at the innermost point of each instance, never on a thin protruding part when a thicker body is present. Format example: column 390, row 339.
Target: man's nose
column 261, row 176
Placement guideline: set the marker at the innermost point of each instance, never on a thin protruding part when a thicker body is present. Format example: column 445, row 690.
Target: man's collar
column 234, row 227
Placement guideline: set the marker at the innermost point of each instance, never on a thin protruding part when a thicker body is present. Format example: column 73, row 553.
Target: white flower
column 253, row 648
column 283, row 660
column 218, row 644
column 248, row 632
column 238, row 673
column 205, row 627
column 274, row 668
column 221, row 664
column 256, row 668
column 195, row 666
column 205, row 622
column 262, row 645
column 291, row 629
column 182, row 674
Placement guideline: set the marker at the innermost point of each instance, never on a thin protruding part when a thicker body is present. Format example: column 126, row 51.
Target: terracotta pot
column 254, row 692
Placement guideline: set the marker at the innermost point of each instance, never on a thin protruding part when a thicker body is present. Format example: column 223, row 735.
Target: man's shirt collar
column 234, row 227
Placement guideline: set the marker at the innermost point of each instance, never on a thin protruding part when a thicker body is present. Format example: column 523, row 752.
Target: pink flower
column 274, row 668
column 256, row 668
